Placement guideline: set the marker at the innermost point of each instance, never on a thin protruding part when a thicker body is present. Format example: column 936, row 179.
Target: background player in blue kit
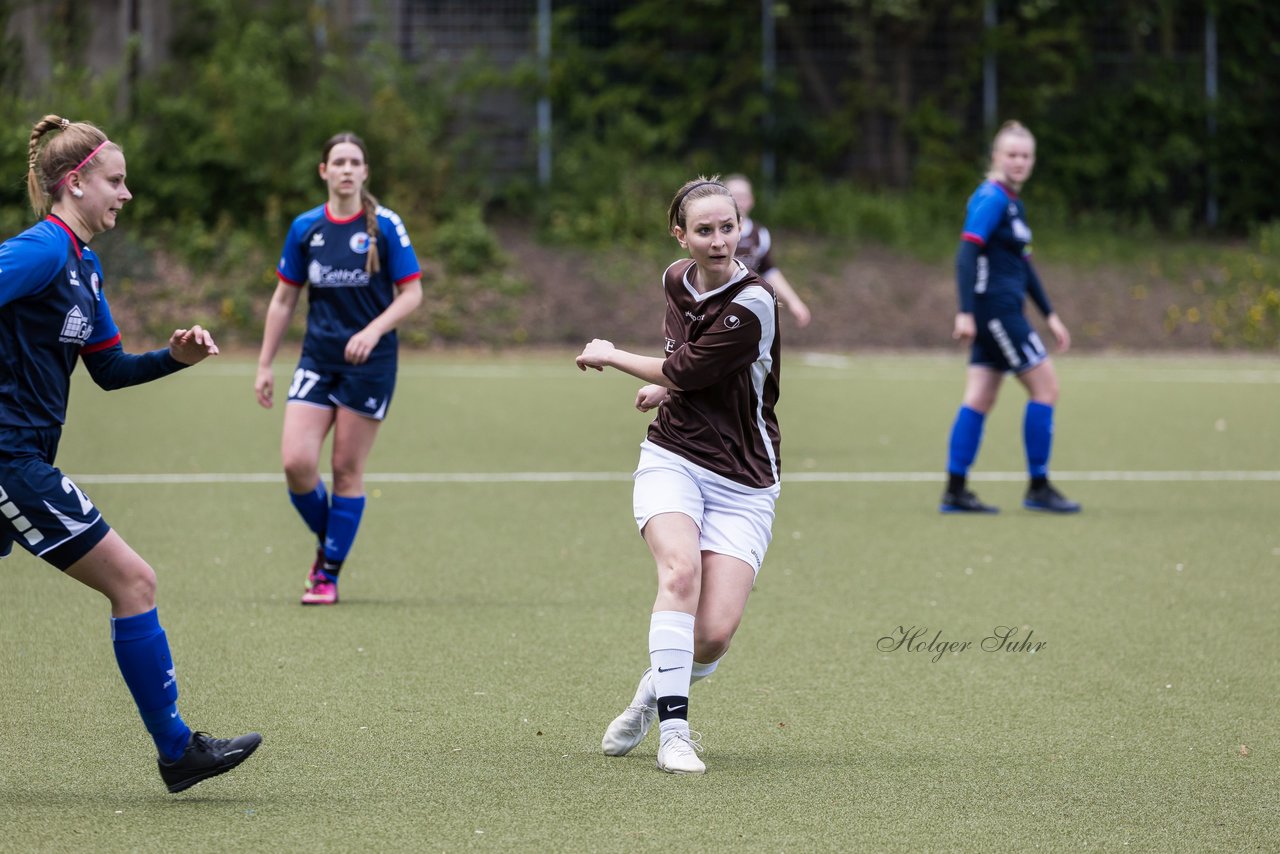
column 53, row 311
column 363, row 279
column 709, row 469
column 994, row 276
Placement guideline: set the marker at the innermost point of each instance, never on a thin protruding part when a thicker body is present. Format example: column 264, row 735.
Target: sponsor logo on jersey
column 75, row 327
column 693, row 318
column 732, row 322
column 359, row 243
column 317, row 239
column 325, row 276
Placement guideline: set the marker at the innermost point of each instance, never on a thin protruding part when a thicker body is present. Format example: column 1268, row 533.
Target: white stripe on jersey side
column 765, row 243
column 761, row 303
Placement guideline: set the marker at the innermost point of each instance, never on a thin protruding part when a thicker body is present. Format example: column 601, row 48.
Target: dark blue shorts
column 1006, row 343
column 357, row 388
column 41, row 509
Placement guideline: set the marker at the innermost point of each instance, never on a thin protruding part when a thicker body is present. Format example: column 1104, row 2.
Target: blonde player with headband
column 53, row 312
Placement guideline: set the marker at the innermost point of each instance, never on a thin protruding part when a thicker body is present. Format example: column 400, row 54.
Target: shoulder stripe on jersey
column 761, row 303
column 101, row 345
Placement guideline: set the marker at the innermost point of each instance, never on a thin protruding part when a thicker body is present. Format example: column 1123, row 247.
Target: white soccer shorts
column 732, row 519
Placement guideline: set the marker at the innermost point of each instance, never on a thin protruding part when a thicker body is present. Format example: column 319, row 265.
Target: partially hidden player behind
column 709, row 470
column 755, row 249
column 362, row 278
column 994, row 275
column 53, row 311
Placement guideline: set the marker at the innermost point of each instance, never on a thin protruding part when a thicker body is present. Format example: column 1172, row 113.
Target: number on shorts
column 303, row 382
column 71, row 489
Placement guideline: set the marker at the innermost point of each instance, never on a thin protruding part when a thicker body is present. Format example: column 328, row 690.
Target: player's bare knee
column 300, row 471
column 133, row 588
column 679, row 579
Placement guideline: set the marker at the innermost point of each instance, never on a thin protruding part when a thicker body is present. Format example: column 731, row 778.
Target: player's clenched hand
column 595, row 355
column 651, row 397
column 360, row 345
column 264, row 385
column 965, row 328
column 190, row 346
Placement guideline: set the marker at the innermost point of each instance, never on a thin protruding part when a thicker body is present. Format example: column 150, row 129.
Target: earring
column 77, row 192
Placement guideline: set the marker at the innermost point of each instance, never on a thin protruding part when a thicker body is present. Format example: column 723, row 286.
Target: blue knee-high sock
column 1037, row 436
column 966, row 435
column 344, row 521
column 142, row 651
column 313, row 507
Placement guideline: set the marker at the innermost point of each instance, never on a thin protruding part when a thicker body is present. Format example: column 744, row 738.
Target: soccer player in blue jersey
column 709, row 470
column 355, row 258
column 994, row 276
column 53, row 312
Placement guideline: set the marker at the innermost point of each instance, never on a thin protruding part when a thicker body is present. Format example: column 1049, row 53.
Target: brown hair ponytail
column 372, row 263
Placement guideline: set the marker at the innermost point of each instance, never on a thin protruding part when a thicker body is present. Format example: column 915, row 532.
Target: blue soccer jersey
column 52, row 309
column 996, row 223
column 329, row 255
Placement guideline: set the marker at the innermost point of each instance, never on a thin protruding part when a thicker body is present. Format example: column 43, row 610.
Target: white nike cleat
column 629, row 728
column 679, row 754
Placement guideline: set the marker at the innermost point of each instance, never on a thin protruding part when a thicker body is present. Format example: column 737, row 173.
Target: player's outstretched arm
column 788, row 297
column 601, row 354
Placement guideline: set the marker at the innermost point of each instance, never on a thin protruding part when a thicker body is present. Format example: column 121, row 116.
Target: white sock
column 671, row 657
column 701, row 671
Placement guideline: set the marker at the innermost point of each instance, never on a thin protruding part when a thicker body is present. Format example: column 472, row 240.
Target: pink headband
column 92, row 154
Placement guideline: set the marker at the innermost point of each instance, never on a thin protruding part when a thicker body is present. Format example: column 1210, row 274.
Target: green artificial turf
column 490, row 628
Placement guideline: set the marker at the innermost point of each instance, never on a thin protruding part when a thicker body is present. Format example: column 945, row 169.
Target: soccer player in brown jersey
column 755, row 249
column 709, row 471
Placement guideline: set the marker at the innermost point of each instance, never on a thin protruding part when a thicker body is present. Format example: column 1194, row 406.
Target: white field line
column 837, row 366
column 599, row 477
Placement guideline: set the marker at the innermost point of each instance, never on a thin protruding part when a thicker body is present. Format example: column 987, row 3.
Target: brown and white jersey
column 754, row 247
column 722, row 352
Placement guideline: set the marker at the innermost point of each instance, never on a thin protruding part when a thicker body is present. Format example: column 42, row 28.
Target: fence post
column 544, row 97
column 990, row 106
column 1211, row 112
column 768, row 70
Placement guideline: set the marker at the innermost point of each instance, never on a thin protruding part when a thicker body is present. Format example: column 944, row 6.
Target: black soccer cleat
column 1046, row 499
column 207, row 757
column 964, row 501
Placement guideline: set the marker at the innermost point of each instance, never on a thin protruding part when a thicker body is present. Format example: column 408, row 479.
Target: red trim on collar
column 333, row 219
column 75, row 241
column 1009, row 191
